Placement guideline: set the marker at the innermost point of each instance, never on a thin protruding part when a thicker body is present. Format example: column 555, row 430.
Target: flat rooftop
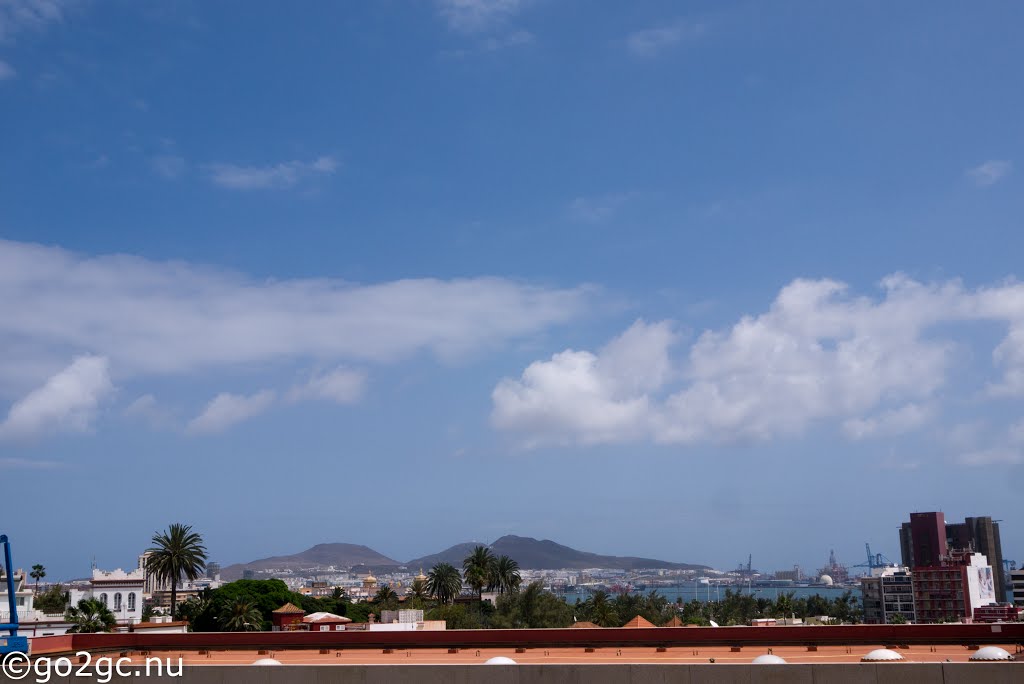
column 554, row 656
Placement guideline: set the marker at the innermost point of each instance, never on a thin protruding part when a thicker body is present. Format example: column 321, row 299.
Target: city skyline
column 688, row 284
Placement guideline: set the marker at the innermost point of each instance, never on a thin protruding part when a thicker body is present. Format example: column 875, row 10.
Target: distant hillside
column 453, row 555
column 321, row 555
column 534, row 554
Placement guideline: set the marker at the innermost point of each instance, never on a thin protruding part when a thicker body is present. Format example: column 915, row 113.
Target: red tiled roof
column 638, row 622
column 585, row 625
column 674, row 622
column 289, row 608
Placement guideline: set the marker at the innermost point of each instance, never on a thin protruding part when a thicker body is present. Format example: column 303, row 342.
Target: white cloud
column 15, row 463
column 165, row 318
column 592, row 398
column 227, row 409
column 147, row 409
column 342, row 385
column 68, row 401
column 473, row 16
column 654, row 41
column 990, row 172
column 6, row 71
column 19, row 15
column 169, row 166
column 893, row 422
column 816, row 354
column 276, row 177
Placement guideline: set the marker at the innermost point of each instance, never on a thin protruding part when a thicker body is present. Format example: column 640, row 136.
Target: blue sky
column 689, row 281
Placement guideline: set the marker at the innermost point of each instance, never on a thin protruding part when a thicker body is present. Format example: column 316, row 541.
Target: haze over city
column 683, row 282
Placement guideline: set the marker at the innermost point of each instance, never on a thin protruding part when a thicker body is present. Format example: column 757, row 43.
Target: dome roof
column 370, row 578
column 768, row 659
column 826, row 580
column 881, row 655
column 267, row 661
column 499, row 660
column 991, row 653
column 421, row 576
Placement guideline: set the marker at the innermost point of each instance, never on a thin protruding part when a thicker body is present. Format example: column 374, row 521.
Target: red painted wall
column 539, row 638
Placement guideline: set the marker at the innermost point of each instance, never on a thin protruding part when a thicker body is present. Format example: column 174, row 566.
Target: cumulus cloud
column 654, row 41
column 473, row 16
column 990, row 172
column 148, row 410
column 275, row 177
column 342, row 385
column 817, row 353
column 227, row 409
column 893, row 422
column 592, row 398
column 68, row 401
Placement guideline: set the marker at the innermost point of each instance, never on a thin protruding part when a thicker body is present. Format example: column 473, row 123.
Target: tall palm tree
column 89, row 616
column 38, row 573
column 444, row 582
column 478, row 568
column 602, row 611
column 241, row 616
column 505, row 575
column 418, row 592
column 177, row 553
column 386, row 598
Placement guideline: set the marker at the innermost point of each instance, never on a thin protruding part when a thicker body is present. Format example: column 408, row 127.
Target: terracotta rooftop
column 674, row 622
column 289, row 608
column 585, row 625
column 638, row 622
column 154, row 625
column 325, row 617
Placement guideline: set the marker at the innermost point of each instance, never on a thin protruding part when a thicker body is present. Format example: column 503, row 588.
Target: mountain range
column 530, row 553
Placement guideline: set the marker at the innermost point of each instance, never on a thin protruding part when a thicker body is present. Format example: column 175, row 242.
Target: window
column 103, row 599
column 325, row 628
column 131, row 601
column 340, row 628
column 117, row 601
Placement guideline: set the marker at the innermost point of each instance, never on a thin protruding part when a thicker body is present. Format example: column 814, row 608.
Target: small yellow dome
column 370, row 579
column 421, row 576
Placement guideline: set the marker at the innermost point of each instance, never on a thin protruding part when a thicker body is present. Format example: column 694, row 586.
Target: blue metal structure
column 12, row 643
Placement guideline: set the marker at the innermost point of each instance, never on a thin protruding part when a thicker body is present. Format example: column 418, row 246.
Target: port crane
column 12, row 643
column 875, row 560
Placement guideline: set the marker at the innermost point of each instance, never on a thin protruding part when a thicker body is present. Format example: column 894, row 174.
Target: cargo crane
column 875, row 560
column 12, row 643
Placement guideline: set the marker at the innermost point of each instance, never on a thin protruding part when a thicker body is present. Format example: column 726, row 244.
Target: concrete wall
column 902, row 673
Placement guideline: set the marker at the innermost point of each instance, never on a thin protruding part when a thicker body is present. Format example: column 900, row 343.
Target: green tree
column 897, row 619
column 444, row 582
column 418, row 593
column 505, row 575
column 38, row 573
column 241, row 615
column 176, row 553
column 90, row 616
column 599, row 610
column 478, row 568
column 386, row 598
column 268, row 595
column 53, row 600
column 533, row 607
column 455, row 616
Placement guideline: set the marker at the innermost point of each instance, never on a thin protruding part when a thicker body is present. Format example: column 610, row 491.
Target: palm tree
column 386, row 597
column 38, row 573
column 601, row 610
column 418, row 592
column 478, row 567
column 90, row 616
column 444, row 582
column 241, row 616
column 177, row 553
column 505, row 575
